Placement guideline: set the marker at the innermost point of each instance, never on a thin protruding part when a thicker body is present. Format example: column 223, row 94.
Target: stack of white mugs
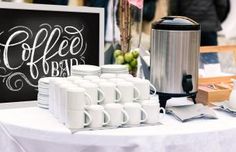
column 110, row 99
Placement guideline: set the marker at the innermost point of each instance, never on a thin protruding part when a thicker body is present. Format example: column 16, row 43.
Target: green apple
column 128, row 57
column 120, row 59
column 135, row 53
column 117, row 53
column 134, row 63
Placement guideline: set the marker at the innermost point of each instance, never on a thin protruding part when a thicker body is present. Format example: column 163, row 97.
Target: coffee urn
column 175, row 43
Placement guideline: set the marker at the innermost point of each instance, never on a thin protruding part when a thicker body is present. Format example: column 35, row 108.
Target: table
column 33, row 129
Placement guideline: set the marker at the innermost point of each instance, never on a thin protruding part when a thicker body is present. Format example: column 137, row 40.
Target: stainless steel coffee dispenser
column 175, row 43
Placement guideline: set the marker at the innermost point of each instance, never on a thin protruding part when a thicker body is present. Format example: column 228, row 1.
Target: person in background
column 149, row 10
column 99, row 3
column 209, row 14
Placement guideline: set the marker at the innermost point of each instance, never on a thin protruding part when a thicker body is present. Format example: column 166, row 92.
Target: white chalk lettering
column 51, row 50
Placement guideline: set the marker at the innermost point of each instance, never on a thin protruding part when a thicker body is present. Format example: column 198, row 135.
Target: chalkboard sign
column 45, row 40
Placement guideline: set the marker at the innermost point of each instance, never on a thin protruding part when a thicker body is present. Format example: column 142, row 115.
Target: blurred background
column 217, row 19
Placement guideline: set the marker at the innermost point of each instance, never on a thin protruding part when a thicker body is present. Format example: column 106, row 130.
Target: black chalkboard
column 42, row 40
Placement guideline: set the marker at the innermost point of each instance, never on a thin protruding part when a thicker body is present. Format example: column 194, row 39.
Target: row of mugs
column 123, row 88
column 69, row 98
column 93, row 90
column 115, row 115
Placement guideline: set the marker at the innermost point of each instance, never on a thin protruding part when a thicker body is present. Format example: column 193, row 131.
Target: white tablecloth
column 36, row 130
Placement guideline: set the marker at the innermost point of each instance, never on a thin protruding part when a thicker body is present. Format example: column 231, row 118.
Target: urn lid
column 178, row 23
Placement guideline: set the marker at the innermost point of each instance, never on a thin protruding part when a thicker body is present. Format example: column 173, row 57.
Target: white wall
column 229, row 25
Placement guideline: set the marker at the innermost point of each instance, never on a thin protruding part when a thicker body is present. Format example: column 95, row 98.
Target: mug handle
column 101, row 93
column 164, row 112
column 145, row 115
column 89, row 101
column 108, row 117
column 126, row 116
column 89, row 117
column 154, row 89
column 138, row 94
column 119, row 94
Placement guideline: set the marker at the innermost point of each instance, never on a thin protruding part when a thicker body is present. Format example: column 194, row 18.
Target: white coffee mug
column 124, row 76
column 129, row 92
column 94, row 91
column 135, row 111
column 51, row 91
column 77, row 98
column 90, row 77
column 118, row 115
column 153, row 109
column 107, row 76
column 56, row 95
column 111, row 93
column 99, row 116
column 63, row 99
column 143, row 86
column 78, row 82
column 74, row 78
column 75, row 119
column 117, row 80
column 97, row 81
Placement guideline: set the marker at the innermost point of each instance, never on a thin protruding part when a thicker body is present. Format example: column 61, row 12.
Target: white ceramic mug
column 74, row 78
column 129, row 92
column 97, row 81
column 62, row 106
column 78, row 82
column 117, row 80
column 153, row 109
column 107, row 76
column 143, row 86
column 56, row 95
column 111, row 93
column 124, row 76
column 75, row 119
column 90, row 77
column 135, row 112
column 51, row 92
column 99, row 116
column 77, row 98
column 94, row 91
column 118, row 115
